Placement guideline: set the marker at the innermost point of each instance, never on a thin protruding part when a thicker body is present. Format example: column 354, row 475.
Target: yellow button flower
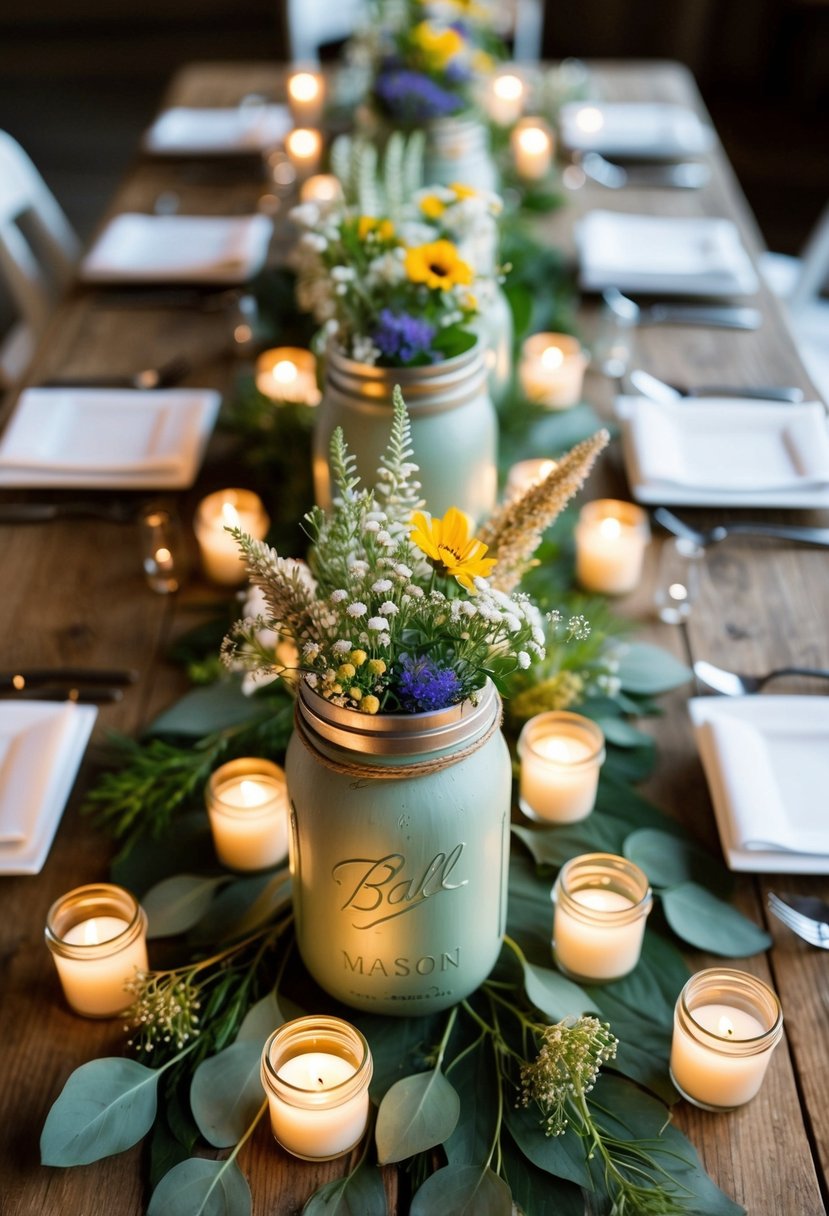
column 369, row 704
column 439, row 265
column 432, row 206
column 370, row 225
column 450, row 548
column 461, row 191
column 438, row 45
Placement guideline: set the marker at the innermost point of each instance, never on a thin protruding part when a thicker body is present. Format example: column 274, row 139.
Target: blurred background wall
column 79, row 80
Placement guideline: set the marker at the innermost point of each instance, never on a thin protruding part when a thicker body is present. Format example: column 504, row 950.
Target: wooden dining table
column 74, row 593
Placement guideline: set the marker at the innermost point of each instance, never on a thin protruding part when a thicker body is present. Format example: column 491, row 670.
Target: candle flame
column 229, row 516
column 533, row 140
column 590, row 119
column 303, row 143
column 285, row 372
column 551, row 358
column 252, row 794
column 162, row 556
column 304, row 86
column 90, row 933
column 507, row 87
column 610, row 528
column 725, row 1028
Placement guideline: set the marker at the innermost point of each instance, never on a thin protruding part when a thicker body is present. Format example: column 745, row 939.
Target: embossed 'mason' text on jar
column 400, row 850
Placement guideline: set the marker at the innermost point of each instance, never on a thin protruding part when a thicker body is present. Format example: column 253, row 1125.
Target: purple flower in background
column 423, row 684
column 457, row 72
column 414, row 97
column 401, row 336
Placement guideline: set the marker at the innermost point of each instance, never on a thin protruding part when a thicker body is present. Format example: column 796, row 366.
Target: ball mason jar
column 457, row 150
column 454, row 427
column 399, row 850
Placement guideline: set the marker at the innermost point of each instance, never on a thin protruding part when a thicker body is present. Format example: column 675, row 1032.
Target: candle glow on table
column 97, row 937
column 247, row 803
column 304, row 147
column 726, row 1025
column 611, row 538
column 551, row 370
column 233, row 508
column 561, row 754
column 316, row 1072
column 525, row 474
column 322, row 188
column 505, row 98
column 306, row 97
column 601, row 905
column 288, row 374
column 532, row 148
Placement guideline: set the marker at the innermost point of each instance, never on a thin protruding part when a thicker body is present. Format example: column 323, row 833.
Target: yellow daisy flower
column 461, row 191
column 439, row 265
column 432, row 206
column 439, row 46
column 369, row 225
column 450, row 548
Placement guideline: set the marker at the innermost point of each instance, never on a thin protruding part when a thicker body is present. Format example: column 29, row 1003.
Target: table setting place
column 421, row 864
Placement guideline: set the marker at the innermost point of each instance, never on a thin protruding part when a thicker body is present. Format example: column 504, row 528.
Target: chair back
column 312, row 24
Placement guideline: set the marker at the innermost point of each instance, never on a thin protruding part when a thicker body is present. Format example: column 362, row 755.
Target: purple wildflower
column 413, row 96
column 423, row 684
column 403, row 337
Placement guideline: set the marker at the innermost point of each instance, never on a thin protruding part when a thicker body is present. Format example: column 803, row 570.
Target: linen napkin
column 178, row 248
column 33, row 742
column 183, row 129
column 644, row 129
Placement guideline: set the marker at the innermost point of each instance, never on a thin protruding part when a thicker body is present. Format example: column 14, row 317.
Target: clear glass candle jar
column 161, row 549
column 726, row 1025
column 561, row 754
column 221, row 557
column 247, row 804
column 601, row 904
column 678, row 579
column 97, row 936
column 611, row 538
column 316, row 1073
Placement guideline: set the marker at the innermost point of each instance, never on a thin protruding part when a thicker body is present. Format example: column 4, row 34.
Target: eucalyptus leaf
column 618, row 800
column 106, row 1106
column 556, row 996
column 226, row 1092
column 704, row 921
column 359, row 1194
column 188, row 845
column 199, row 1187
column 260, row 1021
column 618, row 730
column 230, row 909
column 274, row 895
column 475, row 1077
column 669, row 861
column 534, row 1191
column 554, row 846
column 529, row 911
column 416, row 1114
column 399, row 1047
column 462, row 1190
column 210, row 708
column 176, row 904
column 563, row 1156
column 650, row 669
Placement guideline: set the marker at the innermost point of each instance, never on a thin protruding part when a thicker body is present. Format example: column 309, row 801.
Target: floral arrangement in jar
column 397, row 611
column 402, row 290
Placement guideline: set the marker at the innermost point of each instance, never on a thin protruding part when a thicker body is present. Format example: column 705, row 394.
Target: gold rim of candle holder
column 628, row 514
column 246, row 767
column 741, row 990
column 85, row 903
column 570, row 726
column 603, row 872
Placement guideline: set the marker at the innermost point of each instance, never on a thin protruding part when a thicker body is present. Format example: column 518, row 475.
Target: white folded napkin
column 178, row 248
column 646, row 129
column 220, row 130
column 36, row 743
column 728, row 444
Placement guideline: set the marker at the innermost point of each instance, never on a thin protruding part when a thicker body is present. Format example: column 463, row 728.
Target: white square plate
column 725, row 452
column 184, row 131
column 665, row 254
column 103, row 438
column 136, row 248
column 40, row 785
column 644, row 130
column 766, row 760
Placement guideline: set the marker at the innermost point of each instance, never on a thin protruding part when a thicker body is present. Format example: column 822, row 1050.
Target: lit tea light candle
column 589, row 120
column 316, row 1072
column 561, row 754
column 601, row 905
column 323, row 188
column 532, row 149
column 306, row 97
column 526, row 474
column 161, row 544
column 551, row 370
column 505, row 98
column 726, row 1025
column 97, row 936
column 247, row 804
column 304, row 147
column 225, row 509
column 288, row 374
column 611, row 538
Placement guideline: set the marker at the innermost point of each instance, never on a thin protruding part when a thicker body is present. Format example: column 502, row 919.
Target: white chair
column 799, row 283
column 38, row 254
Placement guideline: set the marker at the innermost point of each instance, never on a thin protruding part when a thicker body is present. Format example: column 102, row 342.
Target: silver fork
column 736, row 684
column 804, row 915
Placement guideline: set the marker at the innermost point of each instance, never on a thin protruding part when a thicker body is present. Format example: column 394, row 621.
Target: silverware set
column 736, row 684
column 714, row 316
column 684, row 175
column 805, row 915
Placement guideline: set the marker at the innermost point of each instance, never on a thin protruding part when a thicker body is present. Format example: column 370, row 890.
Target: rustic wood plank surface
column 73, row 592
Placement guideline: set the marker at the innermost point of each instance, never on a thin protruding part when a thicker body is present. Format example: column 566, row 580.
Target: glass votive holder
column 505, row 96
column 234, row 508
column 532, row 144
column 726, row 1025
column 601, row 905
column 304, row 147
column 561, row 754
column 611, row 538
column 306, row 97
column 162, row 549
column 614, row 345
column 324, row 189
column 288, row 375
column 316, row 1073
column 525, row 474
column 97, row 936
column 551, row 370
column 247, row 804
column 678, row 579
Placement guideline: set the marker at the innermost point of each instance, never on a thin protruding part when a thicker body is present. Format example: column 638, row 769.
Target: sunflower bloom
column 438, row 45
column 450, row 548
column 439, row 265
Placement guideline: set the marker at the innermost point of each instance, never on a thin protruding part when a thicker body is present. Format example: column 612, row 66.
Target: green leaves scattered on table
column 106, row 1106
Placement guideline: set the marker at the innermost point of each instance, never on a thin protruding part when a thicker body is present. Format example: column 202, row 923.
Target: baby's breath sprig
column 566, row 1068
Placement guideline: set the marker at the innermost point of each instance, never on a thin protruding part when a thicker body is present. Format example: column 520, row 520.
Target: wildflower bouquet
column 398, row 611
column 403, row 291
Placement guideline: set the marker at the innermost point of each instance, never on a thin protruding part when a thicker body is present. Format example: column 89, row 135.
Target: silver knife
column 717, row 316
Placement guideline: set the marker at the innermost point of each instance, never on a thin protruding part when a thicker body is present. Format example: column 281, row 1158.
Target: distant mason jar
column 457, row 150
column 454, row 427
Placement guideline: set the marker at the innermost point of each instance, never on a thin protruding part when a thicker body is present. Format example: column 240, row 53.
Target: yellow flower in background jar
column 448, row 545
column 439, row 46
column 439, row 265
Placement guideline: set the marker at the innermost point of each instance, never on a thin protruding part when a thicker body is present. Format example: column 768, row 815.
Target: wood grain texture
column 74, row 593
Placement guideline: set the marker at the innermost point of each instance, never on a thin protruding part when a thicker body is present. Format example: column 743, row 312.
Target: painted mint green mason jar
column 457, row 150
column 399, row 850
column 454, row 426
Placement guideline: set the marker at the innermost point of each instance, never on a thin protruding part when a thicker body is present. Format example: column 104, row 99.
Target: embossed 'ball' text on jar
column 454, row 426
column 399, row 850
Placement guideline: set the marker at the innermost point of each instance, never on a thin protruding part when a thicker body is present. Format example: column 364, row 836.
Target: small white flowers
column 337, row 597
column 382, row 584
column 523, row 659
column 388, row 608
column 342, row 646
column 357, row 609
column 378, row 623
